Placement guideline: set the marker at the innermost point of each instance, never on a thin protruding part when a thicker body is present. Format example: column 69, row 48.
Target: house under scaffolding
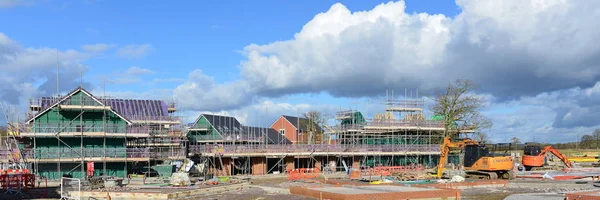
column 79, row 133
column 399, row 136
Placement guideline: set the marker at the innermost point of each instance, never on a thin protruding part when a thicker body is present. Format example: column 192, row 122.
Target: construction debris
column 180, row 179
column 455, row 179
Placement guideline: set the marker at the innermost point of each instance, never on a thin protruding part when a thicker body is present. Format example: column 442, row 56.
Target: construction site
column 82, row 146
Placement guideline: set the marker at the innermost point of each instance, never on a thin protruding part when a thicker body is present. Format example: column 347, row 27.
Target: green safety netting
column 357, row 118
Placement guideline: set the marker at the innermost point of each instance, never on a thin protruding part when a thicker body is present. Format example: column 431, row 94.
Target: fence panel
column 70, row 188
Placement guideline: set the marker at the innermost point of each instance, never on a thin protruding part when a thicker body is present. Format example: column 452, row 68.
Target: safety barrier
column 303, row 173
column 14, row 181
column 15, row 171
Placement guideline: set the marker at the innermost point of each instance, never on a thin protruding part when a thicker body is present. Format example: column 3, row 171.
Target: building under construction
column 399, row 136
column 80, row 134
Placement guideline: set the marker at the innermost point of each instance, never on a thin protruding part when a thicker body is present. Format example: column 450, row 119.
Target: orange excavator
column 534, row 158
column 478, row 161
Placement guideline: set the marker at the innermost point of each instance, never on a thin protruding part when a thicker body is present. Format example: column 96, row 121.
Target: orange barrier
column 303, row 173
column 15, row 171
column 16, row 179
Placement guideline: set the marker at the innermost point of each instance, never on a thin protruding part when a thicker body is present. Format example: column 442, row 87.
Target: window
column 282, row 131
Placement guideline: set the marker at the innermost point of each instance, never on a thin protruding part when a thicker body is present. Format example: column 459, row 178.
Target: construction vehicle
column 478, row 161
column 535, row 158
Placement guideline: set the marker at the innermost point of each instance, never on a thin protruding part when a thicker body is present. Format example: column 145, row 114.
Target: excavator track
column 545, row 168
column 482, row 175
column 489, row 175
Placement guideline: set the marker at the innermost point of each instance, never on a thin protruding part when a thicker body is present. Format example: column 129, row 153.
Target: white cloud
column 200, row 92
column 135, row 51
column 24, row 69
column 265, row 112
column 97, row 48
column 344, row 53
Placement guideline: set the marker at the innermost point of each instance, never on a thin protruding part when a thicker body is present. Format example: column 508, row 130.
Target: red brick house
column 297, row 129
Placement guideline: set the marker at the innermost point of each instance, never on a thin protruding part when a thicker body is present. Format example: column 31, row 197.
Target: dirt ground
column 493, row 193
column 250, row 194
column 273, row 188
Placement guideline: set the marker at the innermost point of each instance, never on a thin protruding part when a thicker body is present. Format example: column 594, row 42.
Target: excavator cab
column 473, row 153
column 532, row 150
column 501, row 149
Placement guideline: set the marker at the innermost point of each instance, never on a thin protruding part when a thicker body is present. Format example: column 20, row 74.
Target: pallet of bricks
column 303, row 173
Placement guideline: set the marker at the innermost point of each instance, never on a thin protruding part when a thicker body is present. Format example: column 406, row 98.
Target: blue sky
column 534, row 61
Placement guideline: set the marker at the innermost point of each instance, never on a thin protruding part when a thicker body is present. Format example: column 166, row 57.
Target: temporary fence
column 70, row 188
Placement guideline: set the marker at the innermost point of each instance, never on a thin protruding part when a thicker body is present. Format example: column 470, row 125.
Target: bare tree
column 515, row 140
column 316, row 120
column 596, row 136
column 587, row 141
column 481, row 137
column 459, row 104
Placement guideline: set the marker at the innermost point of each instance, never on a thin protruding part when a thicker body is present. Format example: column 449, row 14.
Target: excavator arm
column 551, row 149
column 445, row 151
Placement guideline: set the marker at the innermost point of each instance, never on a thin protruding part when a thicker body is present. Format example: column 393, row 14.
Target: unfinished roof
column 127, row 109
column 269, row 135
column 130, row 107
column 299, row 122
column 223, row 124
column 50, row 103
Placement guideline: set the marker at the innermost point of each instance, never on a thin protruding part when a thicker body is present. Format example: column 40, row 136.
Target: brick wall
column 259, row 165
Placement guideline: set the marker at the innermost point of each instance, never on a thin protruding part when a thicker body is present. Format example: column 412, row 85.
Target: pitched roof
column 131, row 107
column 53, row 102
column 293, row 120
column 223, row 124
column 269, row 135
column 300, row 122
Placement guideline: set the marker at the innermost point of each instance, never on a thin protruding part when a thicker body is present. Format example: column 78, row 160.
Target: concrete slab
column 380, row 192
column 165, row 193
column 393, row 188
column 535, row 196
column 345, row 190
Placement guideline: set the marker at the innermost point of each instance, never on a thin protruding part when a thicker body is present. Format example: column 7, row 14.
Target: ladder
column 16, row 156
